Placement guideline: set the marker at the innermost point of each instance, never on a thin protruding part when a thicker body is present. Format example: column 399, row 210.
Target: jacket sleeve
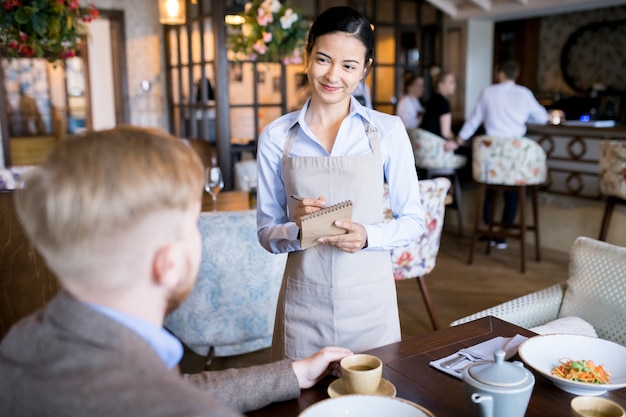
column 251, row 388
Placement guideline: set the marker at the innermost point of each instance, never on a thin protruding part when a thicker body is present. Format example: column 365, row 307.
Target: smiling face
column 335, row 67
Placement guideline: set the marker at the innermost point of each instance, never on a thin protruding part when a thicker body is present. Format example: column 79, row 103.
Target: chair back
column 596, row 288
column 508, row 161
column 430, row 153
column 612, row 161
column 233, row 304
column 12, row 178
column 418, row 258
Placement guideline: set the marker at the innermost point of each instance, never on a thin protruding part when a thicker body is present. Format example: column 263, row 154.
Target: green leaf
column 23, row 14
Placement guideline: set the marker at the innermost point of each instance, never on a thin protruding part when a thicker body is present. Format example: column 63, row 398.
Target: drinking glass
column 213, row 183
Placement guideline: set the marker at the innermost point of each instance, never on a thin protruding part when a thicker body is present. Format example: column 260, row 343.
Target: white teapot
column 499, row 389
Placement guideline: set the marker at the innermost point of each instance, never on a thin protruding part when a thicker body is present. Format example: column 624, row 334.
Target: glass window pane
column 207, row 6
column 385, row 108
column 268, row 83
column 268, row 115
column 173, row 42
column 209, row 42
column 183, row 45
column 385, row 11
column 240, row 82
column 175, row 86
column 195, row 42
column 325, row 4
column 408, row 13
column 384, row 84
column 242, row 123
column 429, row 14
column 297, row 87
column 27, row 96
column 385, row 52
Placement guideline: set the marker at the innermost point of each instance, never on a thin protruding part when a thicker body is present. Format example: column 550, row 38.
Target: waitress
column 340, row 292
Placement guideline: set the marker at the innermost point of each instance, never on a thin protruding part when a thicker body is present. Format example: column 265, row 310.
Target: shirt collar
column 169, row 349
column 356, row 109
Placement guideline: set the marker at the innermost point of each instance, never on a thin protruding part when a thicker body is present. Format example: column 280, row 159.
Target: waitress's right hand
column 306, row 206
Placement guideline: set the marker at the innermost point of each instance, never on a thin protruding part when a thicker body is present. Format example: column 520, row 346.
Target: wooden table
column 227, row 201
column 406, row 366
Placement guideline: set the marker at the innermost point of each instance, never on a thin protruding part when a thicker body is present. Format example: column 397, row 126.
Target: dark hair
column 510, row 69
column 342, row 19
column 441, row 77
column 409, row 79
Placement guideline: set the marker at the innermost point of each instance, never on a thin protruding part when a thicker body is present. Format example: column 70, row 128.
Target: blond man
column 114, row 215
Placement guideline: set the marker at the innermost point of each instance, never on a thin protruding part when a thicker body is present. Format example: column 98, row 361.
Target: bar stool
column 612, row 161
column 432, row 161
column 507, row 164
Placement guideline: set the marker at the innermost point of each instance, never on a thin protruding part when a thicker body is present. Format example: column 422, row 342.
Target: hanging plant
column 268, row 30
column 52, row 29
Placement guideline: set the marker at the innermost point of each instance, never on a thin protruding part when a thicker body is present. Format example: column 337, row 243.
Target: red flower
column 60, row 1
column 10, row 4
column 404, row 259
column 26, row 50
column 13, row 44
column 68, row 54
column 23, row 37
column 94, row 13
column 74, row 4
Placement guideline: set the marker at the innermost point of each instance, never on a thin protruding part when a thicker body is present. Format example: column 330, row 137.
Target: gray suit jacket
column 69, row 360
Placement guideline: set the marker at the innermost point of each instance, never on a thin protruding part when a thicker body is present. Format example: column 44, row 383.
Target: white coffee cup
column 595, row 407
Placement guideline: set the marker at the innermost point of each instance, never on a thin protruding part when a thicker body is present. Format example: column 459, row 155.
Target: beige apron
column 330, row 297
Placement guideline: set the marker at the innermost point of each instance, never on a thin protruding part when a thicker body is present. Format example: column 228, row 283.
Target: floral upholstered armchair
column 612, row 160
column 11, row 178
column 508, row 161
column 417, row 259
column 430, row 153
column 232, row 307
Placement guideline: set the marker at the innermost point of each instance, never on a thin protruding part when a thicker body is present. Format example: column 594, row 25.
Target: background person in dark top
column 438, row 117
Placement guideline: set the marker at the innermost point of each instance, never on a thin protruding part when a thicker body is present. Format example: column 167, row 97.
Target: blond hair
column 102, row 183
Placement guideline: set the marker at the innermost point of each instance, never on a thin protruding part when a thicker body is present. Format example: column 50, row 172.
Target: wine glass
column 213, row 183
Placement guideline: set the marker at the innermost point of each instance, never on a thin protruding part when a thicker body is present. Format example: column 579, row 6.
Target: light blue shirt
column 169, row 349
column 278, row 235
column 504, row 109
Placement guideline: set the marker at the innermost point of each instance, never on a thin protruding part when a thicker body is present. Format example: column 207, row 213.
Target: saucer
column 385, row 389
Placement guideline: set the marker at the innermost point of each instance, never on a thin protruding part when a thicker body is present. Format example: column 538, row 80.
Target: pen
column 297, row 197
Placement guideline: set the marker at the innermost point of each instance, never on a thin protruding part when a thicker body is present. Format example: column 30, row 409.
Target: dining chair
column 594, row 292
column 232, row 306
column 514, row 165
column 612, row 161
column 432, row 161
column 12, row 178
column 418, row 258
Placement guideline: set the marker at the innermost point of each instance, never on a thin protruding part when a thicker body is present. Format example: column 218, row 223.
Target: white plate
column 543, row 353
column 365, row 406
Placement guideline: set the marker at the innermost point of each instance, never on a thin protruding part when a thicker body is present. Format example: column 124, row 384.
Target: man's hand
column 315, row 367
column 350, row 242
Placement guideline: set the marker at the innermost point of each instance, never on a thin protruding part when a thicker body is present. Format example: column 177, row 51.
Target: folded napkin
column 479, row 353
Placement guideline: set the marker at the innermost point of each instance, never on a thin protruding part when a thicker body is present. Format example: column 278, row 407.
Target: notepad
column 321, row 223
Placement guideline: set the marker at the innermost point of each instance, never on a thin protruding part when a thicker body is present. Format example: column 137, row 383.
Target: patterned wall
column 605, row 56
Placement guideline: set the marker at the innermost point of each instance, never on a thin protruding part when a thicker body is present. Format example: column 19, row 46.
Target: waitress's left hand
column 350, row 242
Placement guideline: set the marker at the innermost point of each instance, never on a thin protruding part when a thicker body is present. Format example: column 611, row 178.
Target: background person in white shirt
column 504, row 109
column 409, row 107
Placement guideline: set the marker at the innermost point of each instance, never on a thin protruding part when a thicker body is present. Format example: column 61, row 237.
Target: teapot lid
column 500, row 373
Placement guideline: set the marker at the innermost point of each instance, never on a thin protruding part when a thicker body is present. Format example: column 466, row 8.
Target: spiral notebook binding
column 326, row 210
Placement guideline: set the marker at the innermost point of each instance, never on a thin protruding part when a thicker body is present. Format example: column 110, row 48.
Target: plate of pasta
column 580, row 365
